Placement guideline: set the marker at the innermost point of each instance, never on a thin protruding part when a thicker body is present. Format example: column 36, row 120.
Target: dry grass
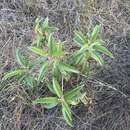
column 108, row 87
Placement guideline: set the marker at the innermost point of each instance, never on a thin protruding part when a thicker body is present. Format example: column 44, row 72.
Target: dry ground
column 109, row 86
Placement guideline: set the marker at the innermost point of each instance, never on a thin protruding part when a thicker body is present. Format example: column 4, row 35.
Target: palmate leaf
column 103, row 50
column 80, row 38
column 13, row 73
column 49, row 102
column 72, row 94
column 43, row 71
column 22, row 60
column 38, row 51
column 57, row 88
column 66, row 111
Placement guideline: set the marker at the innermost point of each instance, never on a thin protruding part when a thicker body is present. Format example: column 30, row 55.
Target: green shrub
column 50, row 62
column 90, row 48
column 64, row 99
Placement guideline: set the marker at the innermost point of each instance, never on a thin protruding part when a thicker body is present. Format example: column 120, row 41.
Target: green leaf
column 103, row 50
column 50, row 105
column 95, row 55
column 66, row 111
column 83, row 50
column 67, row 68
column 49, row 102
column 38, row 61
column 29, row 81
column 52, row 29
column 57, row 88
column 80, row 39
column 72, row 94
column 65, row 74
column 38, row 29
column 95, row 32
column 40, row 40
column 79, row 59
column 43, row 70
column 37, row 22
column 74, row 102
column 67, row 108
column 22, row 60
column 50, row 87
column 55, row 70
column 13, row 73
column 58, row 50
column 38, row 51
column 46, row 100
column 50, row 44
column 66, row 117
column 45, row 24
column 97, row 42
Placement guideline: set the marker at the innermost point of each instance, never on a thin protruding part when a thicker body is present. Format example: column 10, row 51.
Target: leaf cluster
column 91, row 48
column 50, row 65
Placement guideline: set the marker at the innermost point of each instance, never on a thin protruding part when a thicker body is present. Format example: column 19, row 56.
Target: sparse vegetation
column 54, row 61
column 65, row 68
